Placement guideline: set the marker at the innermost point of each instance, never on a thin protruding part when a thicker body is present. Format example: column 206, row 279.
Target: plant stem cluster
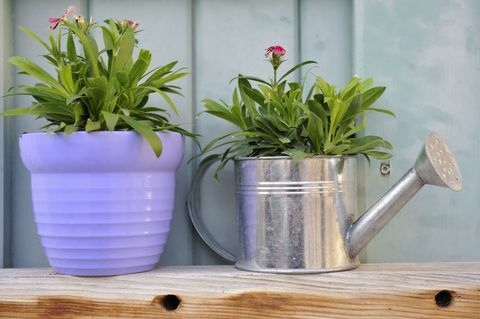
column 276, row 117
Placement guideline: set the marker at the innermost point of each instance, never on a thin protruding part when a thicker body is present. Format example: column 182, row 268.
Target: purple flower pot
column 103, row 201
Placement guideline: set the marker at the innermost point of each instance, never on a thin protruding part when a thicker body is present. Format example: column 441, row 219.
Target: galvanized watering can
column 301, row 217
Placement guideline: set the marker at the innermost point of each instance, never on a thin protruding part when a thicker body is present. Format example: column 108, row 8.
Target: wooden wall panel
column 427, row 53
column 166, row 32
column 230, row 38
column 326, row 37
column 26, row 249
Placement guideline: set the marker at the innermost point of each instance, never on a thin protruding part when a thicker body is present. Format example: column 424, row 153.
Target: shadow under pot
column 102, row 201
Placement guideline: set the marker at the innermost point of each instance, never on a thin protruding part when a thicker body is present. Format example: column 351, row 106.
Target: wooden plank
column 427, row 55
column 5, row 83
column 442, row 290
column 166, row 32
column 230, row 38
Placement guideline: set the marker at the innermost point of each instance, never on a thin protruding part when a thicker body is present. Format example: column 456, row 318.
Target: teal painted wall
column 426, row 52
column 428, row 55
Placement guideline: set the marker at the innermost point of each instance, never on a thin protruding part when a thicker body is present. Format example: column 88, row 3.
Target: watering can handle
column 194, row 212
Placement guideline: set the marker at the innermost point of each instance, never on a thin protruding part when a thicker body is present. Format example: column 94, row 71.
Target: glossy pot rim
column 98, row 133
column 104, row 151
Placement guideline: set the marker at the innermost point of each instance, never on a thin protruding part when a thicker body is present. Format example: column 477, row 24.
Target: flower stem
column 274, row 77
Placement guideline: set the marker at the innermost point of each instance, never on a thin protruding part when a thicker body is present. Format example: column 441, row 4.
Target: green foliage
column 281, row 118
column 99, row 89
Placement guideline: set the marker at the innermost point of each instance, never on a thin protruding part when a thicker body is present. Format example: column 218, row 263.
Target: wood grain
column 372, row 291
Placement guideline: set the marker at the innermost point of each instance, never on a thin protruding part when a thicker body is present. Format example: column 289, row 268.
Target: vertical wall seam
column 357, row 38
column 299, row 36
column 10, row 80
column 357, row 28
column 87, row 6
column 193, row 88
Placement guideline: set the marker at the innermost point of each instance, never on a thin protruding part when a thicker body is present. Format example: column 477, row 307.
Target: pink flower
column 275, row 55
column 276, row 49
column 56, row 21
column 70, row 9
column 131, row 23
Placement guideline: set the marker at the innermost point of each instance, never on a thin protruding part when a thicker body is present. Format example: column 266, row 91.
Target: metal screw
column 385, row 168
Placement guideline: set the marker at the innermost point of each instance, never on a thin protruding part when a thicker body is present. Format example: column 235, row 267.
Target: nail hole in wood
column 443, row 298
column 170, row 302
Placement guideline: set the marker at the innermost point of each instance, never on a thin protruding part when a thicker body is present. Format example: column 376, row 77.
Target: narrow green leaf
column 379, row 155
column 140, row 66
column 251, row 78
column 297, row 155
column 255, row 95
column 92, row 126
column 37, row 72
column 145, row 131
column 78, row 113
column 71, row 49
column 315, row 132
column 69, row 129
column 66, row 78
column 108, row 38
column 382, row 111
column 157, row 73
column 165, row 97
column 111, row 120
column 89, row 47
column 293, row 69
column 371, row 95
column 33, row 35
column 125, row 50
column 17, row 111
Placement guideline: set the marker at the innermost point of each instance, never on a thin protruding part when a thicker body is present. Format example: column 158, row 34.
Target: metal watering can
column 301, row 217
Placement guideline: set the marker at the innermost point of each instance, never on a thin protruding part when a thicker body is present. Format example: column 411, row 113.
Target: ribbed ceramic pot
column 102, row 201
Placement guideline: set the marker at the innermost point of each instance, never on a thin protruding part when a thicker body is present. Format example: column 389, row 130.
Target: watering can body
column 301, row 216
column 294, row 216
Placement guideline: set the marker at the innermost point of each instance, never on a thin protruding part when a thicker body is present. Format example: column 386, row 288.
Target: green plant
column 98, row 89
column 281, row 118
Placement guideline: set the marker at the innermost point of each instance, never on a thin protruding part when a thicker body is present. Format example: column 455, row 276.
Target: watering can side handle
column 194, row 212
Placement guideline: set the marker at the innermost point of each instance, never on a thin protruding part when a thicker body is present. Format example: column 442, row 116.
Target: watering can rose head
column 98, row 86
column 276, row 117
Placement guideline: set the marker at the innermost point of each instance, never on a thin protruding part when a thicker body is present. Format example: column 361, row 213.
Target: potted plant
column 295, row 154
column 103, row 174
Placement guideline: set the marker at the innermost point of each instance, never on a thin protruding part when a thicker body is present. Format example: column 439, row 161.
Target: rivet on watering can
column 385, row 168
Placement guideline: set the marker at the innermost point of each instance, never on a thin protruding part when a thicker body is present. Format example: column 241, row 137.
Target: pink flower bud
column 275, row 55
column 276, row 49
column 131, row 23
column 80, row 21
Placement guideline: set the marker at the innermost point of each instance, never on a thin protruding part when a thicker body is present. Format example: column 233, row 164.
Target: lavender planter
column 103, row 201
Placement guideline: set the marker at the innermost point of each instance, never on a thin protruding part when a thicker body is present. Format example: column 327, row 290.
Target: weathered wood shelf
column 441, row 290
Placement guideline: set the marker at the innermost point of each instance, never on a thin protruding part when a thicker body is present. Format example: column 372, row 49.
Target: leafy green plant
column 278, row 117
column 96, row 89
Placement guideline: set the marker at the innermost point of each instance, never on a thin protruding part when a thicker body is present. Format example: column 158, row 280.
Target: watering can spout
column 435, row 166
